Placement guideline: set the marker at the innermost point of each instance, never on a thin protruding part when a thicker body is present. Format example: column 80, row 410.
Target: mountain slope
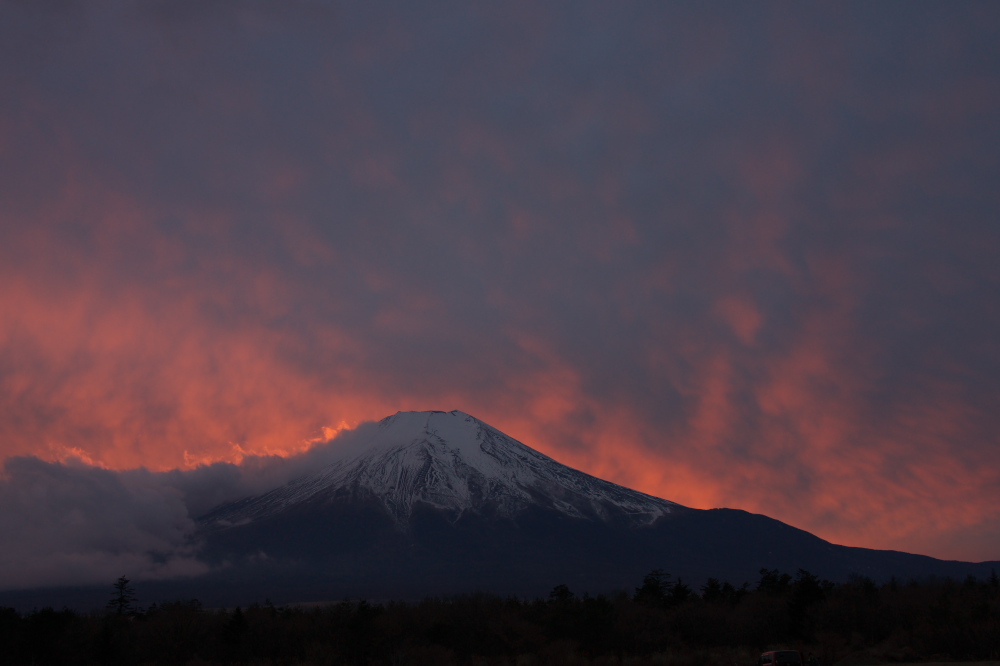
column 441, row 503
column 457, row 464
column 438, row 503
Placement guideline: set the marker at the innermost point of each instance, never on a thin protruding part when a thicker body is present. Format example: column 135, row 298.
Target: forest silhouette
column 662, row 621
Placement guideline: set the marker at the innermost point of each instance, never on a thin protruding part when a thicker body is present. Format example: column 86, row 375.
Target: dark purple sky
column 730, row 254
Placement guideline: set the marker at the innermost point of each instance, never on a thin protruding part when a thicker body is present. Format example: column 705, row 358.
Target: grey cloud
column 72, row 523
column 207, row 486
column 438, row 183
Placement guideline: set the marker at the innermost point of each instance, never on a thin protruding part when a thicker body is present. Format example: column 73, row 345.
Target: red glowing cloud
column 718, row 268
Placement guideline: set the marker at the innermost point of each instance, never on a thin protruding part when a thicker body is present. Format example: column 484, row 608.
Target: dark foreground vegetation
column 661, row 622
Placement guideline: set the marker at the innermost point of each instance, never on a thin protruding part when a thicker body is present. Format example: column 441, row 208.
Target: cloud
column 70, row 524
column 73, row 523
column 740, row 257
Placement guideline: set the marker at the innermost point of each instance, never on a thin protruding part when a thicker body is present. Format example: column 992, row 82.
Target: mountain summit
column 457, row 464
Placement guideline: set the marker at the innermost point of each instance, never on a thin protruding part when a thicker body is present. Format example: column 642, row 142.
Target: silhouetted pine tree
column 123, row 600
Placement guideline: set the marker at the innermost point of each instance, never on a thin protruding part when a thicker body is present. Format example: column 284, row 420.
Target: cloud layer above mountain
column 740, row 255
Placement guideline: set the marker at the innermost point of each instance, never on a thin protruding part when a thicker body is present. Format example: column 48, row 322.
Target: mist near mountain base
column 72, row 523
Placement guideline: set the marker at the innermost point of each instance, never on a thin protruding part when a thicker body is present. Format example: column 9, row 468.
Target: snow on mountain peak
column 456, row 463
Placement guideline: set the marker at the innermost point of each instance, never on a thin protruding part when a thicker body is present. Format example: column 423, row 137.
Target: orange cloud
column 722, row 274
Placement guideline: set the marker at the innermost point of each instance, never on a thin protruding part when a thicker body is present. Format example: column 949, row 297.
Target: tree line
column 661, row 621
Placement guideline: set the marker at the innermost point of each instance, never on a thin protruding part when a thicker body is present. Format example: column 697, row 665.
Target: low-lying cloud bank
column 71, row 523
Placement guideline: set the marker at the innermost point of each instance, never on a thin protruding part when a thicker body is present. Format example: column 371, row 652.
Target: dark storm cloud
column 739, row 255
column 73, row 523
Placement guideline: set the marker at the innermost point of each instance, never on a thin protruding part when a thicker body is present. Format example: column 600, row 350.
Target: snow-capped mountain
column 430, row 503
column 435, row 503
column 455, row 463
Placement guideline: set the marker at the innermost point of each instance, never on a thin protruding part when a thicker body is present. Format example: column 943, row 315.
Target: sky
column 730, row 254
